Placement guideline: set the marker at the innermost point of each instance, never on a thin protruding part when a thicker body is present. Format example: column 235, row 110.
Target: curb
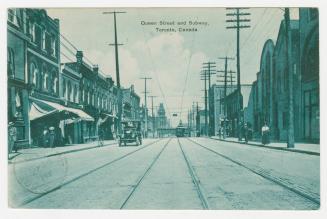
column 270, row 147
column 56, row 154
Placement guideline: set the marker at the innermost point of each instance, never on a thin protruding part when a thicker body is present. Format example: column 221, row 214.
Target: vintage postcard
column 163, row 108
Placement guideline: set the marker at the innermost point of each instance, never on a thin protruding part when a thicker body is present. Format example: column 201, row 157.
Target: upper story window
column 11, row 62
column 45, row 78
column 70, row 91
column 53, row 46
column 34, row 71
column 31, row 27
column 55, row 82
column 43, row 37
column 12, row 16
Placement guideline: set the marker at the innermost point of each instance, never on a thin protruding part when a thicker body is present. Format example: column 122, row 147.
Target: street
column 168, row 173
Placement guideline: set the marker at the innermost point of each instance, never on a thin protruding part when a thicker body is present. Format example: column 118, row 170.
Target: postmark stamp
column 40, row 174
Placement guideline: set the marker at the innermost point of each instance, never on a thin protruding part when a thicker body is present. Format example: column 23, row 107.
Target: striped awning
column 41, row 108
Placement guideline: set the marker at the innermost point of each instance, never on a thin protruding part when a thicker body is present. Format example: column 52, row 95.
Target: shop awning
column 42, row 108
column 37, row 112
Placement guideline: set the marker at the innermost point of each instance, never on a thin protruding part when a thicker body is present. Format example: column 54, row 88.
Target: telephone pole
column 240, row 22
column 288, row 43
column 204, row 76
column 209, row 67
column 145, row 105
column 197, row 120
column 152, row 114
column 119, row 94
column 225, row 88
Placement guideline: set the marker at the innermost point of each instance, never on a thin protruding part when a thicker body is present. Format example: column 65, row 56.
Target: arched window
column 76, row 94
column 55, row 83
column 34, row 75
column 45, row 78
column 11, row 62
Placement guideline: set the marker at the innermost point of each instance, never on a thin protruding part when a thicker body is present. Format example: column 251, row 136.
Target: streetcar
column 182, row 131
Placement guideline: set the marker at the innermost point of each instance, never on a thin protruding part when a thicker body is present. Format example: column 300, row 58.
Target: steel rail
column 261, row 174
column 83, row 175
column 195, row 179
column 143, row 175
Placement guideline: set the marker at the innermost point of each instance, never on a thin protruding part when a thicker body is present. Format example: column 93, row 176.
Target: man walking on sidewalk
column 265, row 134
column 12, row 137
column 246, row 132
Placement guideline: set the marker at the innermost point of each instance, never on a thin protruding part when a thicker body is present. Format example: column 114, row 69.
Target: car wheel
column 137, row 141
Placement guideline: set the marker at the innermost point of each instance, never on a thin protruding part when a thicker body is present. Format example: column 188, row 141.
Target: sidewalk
column 307, row 148
column 30, row 154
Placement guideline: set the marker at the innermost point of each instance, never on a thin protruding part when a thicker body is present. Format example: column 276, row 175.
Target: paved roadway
column 176, row 173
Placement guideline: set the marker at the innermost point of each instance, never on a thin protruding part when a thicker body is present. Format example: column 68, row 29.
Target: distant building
column 216, row 106
column 161, row 117
column 233, row 108
column 131, row 104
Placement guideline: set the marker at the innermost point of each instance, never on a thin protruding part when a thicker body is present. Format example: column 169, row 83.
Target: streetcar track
column 84, row 174
column 195, row 180
column 55, row 154
column 262, row 174
column 135, row 186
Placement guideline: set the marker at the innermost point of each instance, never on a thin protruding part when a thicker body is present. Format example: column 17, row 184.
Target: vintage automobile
column 131, row 132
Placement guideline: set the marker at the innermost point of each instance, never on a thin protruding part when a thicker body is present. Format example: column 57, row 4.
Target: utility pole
column 225, row 89
column 119, row 94
column 153, row 118
column 145, row 105
column 209, row 67
column 205, row 78
column 288, row 43
column 239, row 22
column 197, row 120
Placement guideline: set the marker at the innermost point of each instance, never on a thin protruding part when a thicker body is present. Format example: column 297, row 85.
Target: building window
column 32, row 31
column 53, row 46
column 55, row 82
column 70, row 92
column 77, row 95
column 64, row 88
column 12, row 16
column 11, row 62
column 35, row 74
column 45, row 78
column 43, row 39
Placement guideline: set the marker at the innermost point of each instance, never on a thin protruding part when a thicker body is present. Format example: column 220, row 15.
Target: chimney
column 95, row 69
column 79, row 57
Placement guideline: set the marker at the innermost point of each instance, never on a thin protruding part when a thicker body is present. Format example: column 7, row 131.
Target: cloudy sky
column 173, row 60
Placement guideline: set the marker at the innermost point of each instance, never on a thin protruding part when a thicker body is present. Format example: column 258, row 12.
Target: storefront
column 65, row 121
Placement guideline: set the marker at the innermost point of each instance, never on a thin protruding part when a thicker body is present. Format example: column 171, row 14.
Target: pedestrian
column 12, row 137
column 246, row 132
column 45, row 137
column 51, row 137
column 239, row 131
column 265, row 134
column 219, row 132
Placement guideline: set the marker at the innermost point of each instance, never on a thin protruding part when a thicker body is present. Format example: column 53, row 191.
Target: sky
column 172, row 59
